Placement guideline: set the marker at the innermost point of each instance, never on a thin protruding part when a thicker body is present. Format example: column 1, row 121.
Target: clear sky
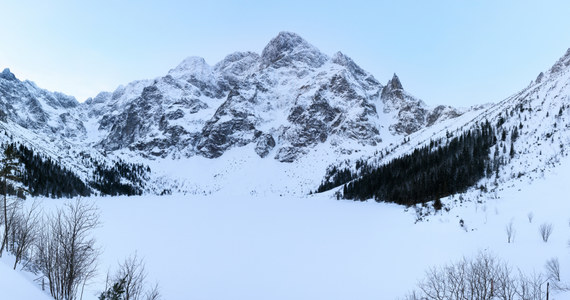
column 456, row 52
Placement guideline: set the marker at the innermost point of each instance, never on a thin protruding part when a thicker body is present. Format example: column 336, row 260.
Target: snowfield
column 226, row 246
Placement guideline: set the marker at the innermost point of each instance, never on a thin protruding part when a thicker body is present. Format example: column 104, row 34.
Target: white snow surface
column 233, row 246
column 243, row 227
column 18, row 285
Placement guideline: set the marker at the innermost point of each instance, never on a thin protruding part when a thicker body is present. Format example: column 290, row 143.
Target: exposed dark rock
column 539, row 78
column 265, row 143
column 287, row 48
column 6, row 74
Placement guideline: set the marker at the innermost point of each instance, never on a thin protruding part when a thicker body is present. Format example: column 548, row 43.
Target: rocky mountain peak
column 561, row 64
column 236, row 65
column 340, row 58
column 393, row 89
column 288, row 47
column 192, row 66
column 6, row 74
column 395, row 83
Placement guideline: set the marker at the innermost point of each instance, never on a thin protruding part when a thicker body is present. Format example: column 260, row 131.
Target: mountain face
column 23, row 103
column 521, row 137
column 280, row 105
column 284, row 102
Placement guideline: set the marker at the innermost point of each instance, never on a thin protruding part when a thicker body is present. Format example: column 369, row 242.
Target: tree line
column 428, row 173
column 110, row 180
column 43, row 176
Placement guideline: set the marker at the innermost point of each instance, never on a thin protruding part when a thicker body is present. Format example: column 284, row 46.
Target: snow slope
column 226, row 246
column 16, row 285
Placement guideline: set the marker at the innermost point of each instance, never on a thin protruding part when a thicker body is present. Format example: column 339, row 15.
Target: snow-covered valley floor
column 315, row 247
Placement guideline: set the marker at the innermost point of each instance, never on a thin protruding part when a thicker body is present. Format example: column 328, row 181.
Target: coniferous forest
column 426, row 174
column 45, row 177
column 109, row 181
column 430, row 172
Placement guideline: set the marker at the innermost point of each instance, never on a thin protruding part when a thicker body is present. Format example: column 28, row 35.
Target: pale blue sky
column 445, row 52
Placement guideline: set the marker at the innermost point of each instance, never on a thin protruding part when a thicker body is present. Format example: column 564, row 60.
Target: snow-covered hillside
column 313, row 247
column 531, row 130
column 17, row 285
column 236, row 148
column 285, row 101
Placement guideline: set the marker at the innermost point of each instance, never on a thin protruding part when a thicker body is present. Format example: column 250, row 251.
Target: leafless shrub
column 553, row 269
column 10, row 208
column 545, row 231
column 466, row 279
column 153, row 293
column 26, row 230
column 510, row 232
column 553, row 274
column 132, row 270
column 506, row 284
column 66, row 253
column 483, row 277
column 530, row 216
column 530, row 286
column 131, row 275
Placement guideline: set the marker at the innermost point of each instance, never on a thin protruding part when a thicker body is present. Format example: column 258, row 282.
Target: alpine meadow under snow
column 289, row 174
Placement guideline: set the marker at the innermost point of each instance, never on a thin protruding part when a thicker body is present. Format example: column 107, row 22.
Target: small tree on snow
column 437, row 205
column 553, row 269
column 129, row 282
column 545, row 231
column 530, row 215
column 25, row 231
column 66, row 252
column 510, row 232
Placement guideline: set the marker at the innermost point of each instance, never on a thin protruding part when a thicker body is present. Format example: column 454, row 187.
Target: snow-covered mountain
column 531, row 127
column 284, row 101
column 31, row 107
column 269, row 124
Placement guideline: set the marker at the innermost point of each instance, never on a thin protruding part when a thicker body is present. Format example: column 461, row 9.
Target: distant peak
column 287, row 40
column 6, row 74
column 562, row 63
column 288, row 44
column 340, row 58
column 395, row 83
column 192, row 65
column 239, row 55
column 192, row 62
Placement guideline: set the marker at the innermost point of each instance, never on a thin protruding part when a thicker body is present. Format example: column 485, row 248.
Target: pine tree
column 116, row 292
column 512, row 153
column 437, row 205
column 515, row 134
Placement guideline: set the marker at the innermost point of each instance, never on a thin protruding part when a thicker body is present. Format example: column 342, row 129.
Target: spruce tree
column 116, row 292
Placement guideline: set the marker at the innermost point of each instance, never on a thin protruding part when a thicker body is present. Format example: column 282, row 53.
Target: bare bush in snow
column 26, row 231
column 66, row 253
column 530, row 216
column 510, row 232
column 483, row 277
column 466, row 279
column 553, row 274
column 530, row 286
column 553, row 269
column 545, row 231
column 131, row 277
